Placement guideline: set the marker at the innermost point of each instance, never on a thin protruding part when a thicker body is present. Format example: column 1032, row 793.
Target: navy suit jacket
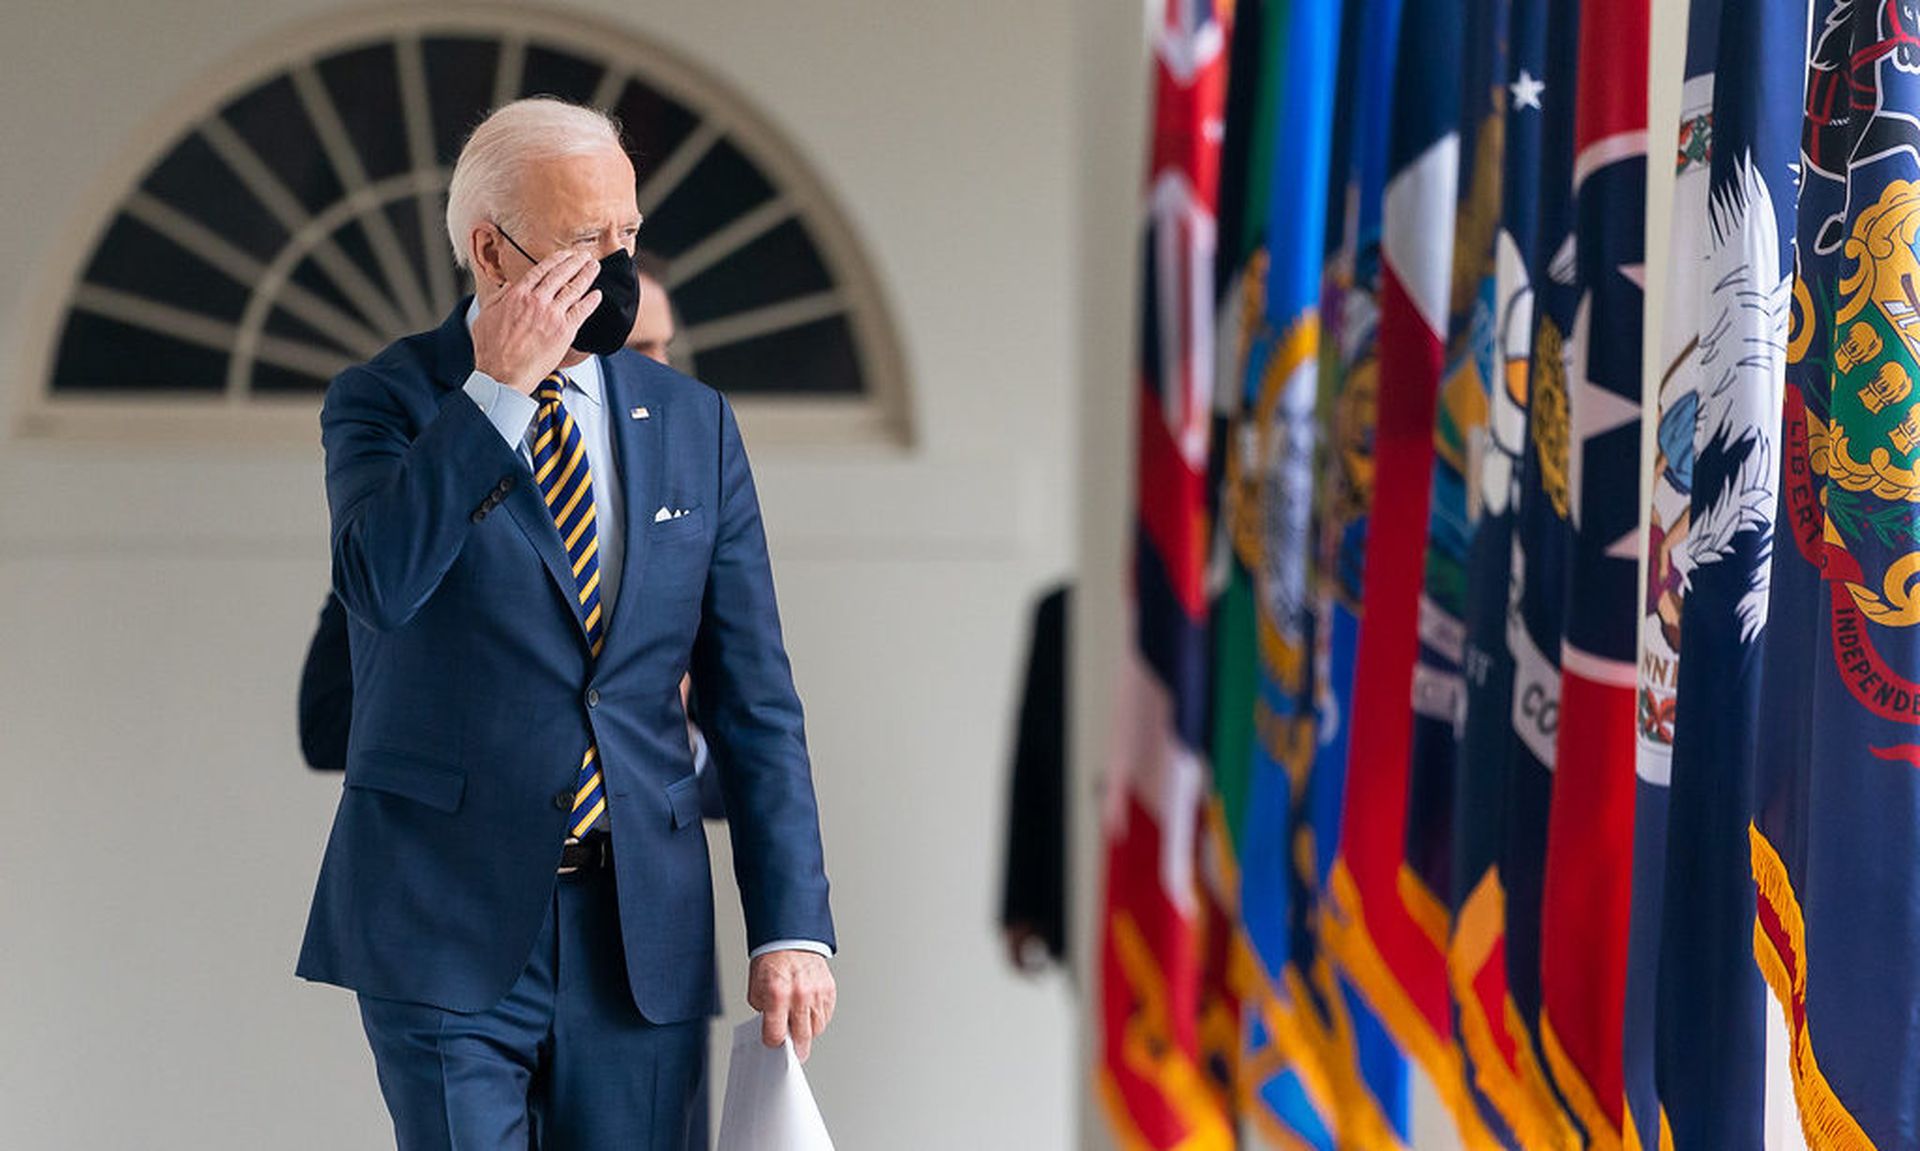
column 474, row 693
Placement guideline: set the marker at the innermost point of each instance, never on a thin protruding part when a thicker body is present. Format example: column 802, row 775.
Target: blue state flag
column 1835, row 838
column 1709, row 1036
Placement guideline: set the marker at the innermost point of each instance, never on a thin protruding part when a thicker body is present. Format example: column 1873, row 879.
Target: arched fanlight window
column 291, row 223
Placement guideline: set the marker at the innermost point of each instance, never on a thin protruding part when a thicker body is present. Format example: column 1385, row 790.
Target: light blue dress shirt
column 511, row 413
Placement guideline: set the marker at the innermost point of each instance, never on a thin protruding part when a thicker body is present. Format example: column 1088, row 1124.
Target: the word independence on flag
column 1836, row 827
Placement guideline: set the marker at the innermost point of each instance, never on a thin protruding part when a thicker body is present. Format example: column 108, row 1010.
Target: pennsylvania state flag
column 1835, row 838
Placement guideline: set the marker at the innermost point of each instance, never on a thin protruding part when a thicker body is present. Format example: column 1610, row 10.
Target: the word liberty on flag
column 1835, row 836
column 1157, row 1088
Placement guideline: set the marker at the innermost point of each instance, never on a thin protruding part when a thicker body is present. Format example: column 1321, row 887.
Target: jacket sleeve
column 326, row 692
column 752, row 719
column 402, row 501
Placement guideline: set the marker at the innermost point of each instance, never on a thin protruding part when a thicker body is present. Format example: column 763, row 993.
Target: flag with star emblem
column 1835, row 833
column 1498, row 1053
column 1157, row 912
column 1542, row 537
column 1590, row 822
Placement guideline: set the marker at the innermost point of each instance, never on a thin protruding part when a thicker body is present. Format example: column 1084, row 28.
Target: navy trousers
column 564, row 1062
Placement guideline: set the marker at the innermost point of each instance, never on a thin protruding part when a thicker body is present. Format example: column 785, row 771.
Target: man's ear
column 484, row 248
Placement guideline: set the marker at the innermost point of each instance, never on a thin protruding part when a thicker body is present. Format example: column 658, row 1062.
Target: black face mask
column 606, row 330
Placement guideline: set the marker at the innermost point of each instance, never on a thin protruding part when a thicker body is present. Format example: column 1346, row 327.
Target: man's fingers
column 802, row 1028
column 578, row 284
column 581, row 309
column 552, row 274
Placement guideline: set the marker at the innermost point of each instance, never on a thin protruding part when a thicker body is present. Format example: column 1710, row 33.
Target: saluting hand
column 525, row 330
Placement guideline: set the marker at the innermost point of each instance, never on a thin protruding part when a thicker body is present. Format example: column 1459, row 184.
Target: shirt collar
column 585, row 376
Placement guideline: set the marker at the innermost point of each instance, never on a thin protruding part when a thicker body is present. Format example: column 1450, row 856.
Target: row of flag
column 1493, row 713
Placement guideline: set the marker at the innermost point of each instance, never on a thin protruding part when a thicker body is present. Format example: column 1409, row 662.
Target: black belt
column 591, row 852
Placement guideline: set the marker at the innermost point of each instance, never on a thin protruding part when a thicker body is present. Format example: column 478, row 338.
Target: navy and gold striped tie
column 566, row 480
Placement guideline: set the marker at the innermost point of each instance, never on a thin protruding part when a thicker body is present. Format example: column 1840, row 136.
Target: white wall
column 158, row 838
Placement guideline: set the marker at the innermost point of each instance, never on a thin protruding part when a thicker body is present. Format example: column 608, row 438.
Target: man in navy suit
column 534, row 535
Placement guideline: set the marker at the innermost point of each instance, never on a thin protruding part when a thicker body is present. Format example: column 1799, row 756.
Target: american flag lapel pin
column 639, row 413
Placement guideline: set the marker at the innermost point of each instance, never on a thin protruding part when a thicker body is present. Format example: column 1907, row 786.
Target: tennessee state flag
column 1590, row 824
column 1156, row 913
column 1835, row 837
column 1387, row 949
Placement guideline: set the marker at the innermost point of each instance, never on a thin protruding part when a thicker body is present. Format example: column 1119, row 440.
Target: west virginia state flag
column 1154, row 947
column 1835, row 839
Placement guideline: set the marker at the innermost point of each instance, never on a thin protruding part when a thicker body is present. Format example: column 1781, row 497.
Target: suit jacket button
column 593, row 697
column 506, row 485
column 478, row 515
column 563, row 800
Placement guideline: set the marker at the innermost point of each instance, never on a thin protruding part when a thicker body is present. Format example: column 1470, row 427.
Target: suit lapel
column 636, row 450
column 453, row 364
column 529, row 511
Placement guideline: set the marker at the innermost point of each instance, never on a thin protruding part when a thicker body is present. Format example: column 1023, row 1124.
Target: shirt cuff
column 817, row 948
column 510, row 412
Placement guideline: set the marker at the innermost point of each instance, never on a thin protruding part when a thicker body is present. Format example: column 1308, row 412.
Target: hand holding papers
column 768, row 1106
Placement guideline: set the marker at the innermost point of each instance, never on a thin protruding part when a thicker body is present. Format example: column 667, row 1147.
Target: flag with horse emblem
column 1835, row 836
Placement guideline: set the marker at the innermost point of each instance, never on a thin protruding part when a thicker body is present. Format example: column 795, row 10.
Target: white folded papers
column 768, row 1106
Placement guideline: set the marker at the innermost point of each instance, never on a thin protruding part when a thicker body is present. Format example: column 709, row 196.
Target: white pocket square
column 666, row 513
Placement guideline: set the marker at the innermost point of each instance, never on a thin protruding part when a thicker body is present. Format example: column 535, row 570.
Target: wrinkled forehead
column 588, row 191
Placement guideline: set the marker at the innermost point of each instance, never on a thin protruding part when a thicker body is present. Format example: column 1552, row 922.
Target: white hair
column 486, row 177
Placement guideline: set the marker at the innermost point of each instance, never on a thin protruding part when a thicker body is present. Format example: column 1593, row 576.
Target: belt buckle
column 598, row 857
